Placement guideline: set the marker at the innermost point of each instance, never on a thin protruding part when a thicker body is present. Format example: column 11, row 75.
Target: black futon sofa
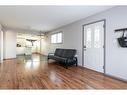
column 64, row 56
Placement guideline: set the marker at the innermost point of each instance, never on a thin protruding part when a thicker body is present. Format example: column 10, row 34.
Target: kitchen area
column 28, row 44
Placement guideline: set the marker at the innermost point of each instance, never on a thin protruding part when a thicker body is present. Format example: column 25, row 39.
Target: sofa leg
column 76, row 64
column 66, row 66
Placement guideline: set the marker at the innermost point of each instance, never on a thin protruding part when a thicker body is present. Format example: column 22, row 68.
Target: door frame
column 104, row 20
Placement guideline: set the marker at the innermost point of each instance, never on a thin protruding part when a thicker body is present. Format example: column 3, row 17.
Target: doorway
column 94, row 46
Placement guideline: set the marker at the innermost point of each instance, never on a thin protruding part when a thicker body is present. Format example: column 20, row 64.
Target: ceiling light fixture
column 31, row 40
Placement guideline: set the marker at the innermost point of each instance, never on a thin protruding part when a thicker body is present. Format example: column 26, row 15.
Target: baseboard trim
column 114, row 77
column 9, row 58
column 36, row 53
column 90, row 69
column 108, row 75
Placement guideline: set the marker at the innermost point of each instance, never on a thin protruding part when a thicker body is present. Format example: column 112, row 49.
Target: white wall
column 9, row 44
column 44, row 48
column 116, row 57
column 1, row 44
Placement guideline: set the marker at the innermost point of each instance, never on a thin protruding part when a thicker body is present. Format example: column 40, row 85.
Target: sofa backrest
column 66, row 53
column 58, row 52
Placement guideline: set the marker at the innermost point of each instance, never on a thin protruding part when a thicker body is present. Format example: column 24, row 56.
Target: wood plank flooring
column 33, row 72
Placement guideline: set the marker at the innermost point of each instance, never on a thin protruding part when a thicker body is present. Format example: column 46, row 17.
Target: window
column 88, row 38
column 56, row 38
column 97, row 37
column 53, row 38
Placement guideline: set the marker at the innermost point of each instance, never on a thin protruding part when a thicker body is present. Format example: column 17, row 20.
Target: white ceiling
column 45, row 18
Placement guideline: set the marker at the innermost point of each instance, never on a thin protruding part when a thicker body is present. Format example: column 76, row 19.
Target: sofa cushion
column 60, row 59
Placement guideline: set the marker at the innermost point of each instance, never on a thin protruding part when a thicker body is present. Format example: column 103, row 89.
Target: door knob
column 84, row 46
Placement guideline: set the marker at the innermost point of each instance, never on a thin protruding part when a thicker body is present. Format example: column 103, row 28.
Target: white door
column 94, row 46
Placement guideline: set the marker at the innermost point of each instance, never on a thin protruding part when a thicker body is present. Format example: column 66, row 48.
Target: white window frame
column 56, row 38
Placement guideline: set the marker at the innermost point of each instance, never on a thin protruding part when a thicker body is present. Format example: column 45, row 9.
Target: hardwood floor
column 33, row 72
